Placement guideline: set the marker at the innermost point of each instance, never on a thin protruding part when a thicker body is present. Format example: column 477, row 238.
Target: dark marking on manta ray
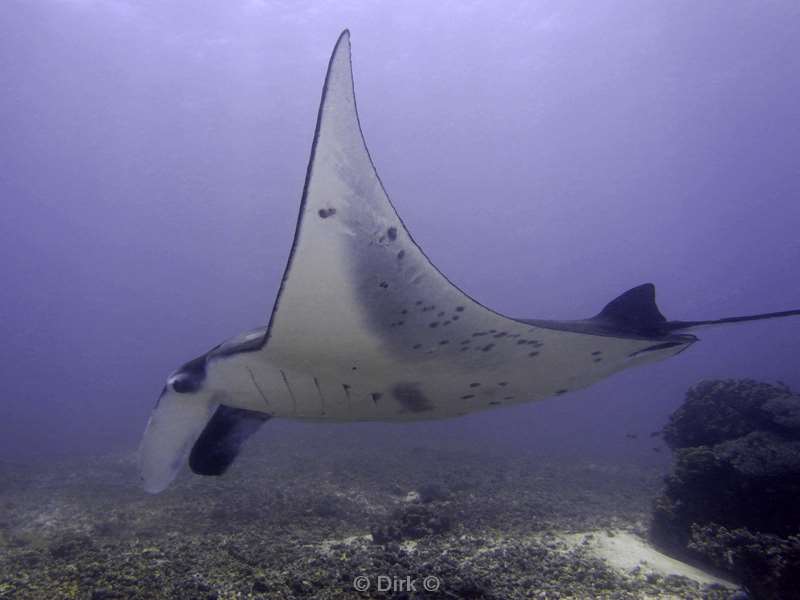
column 465, row 342
column 487, row 347
column 501, row 334
column 444, row 342
column 441, row 314
column 434, row 324
column 416, row 346
column 346, row 389
column 464, row 349
column 521, row 342
column 384, row 285
column 324, row 213
column 478, row 333
column 456, row 317
column 459, row 309
column 475, row 384
column 508, row 397
column 418, row 302
column 534, row 353
column 493, row 331
column 355, row 368
column 376, row 396
column 467, row 396
column 597, row 353
column 597, row 360
column 411, row 397
column 392, row 233
column 446, row 323
column 401, row 255
column 502, row 383
column 494, row 403
column 404, row 312
column 559, row 392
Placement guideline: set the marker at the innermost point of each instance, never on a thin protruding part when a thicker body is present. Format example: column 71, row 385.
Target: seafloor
column 296, row 514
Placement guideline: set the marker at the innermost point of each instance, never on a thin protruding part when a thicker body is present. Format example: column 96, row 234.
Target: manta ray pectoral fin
column 175, row 423
column 222, row 439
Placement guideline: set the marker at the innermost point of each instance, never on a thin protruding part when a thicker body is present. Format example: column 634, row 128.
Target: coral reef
column 732, row 493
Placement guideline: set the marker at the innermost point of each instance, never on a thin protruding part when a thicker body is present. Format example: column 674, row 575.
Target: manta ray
column 366, row 328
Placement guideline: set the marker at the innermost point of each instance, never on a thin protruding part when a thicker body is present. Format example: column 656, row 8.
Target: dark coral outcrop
column 736, row 469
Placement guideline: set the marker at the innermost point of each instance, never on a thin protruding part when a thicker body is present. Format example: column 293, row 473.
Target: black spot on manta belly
column 411, row 397
column 487, row 347
column 459, row 309
column 597, row 353
column 376, row 396
column 324, row 213
column 384, row 285
column 392, row 233
column 467, row 396
column 474, row 384
column 434, row 324
column 401, row 255
column 559, row 392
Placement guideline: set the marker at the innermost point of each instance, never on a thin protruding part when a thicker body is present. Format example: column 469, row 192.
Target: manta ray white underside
column 366, row 328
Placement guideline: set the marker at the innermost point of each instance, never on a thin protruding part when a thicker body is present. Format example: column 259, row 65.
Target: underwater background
column 546, row 156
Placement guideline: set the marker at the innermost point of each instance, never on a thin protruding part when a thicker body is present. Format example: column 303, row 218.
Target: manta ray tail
column 636, row 311
column 679, row 325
